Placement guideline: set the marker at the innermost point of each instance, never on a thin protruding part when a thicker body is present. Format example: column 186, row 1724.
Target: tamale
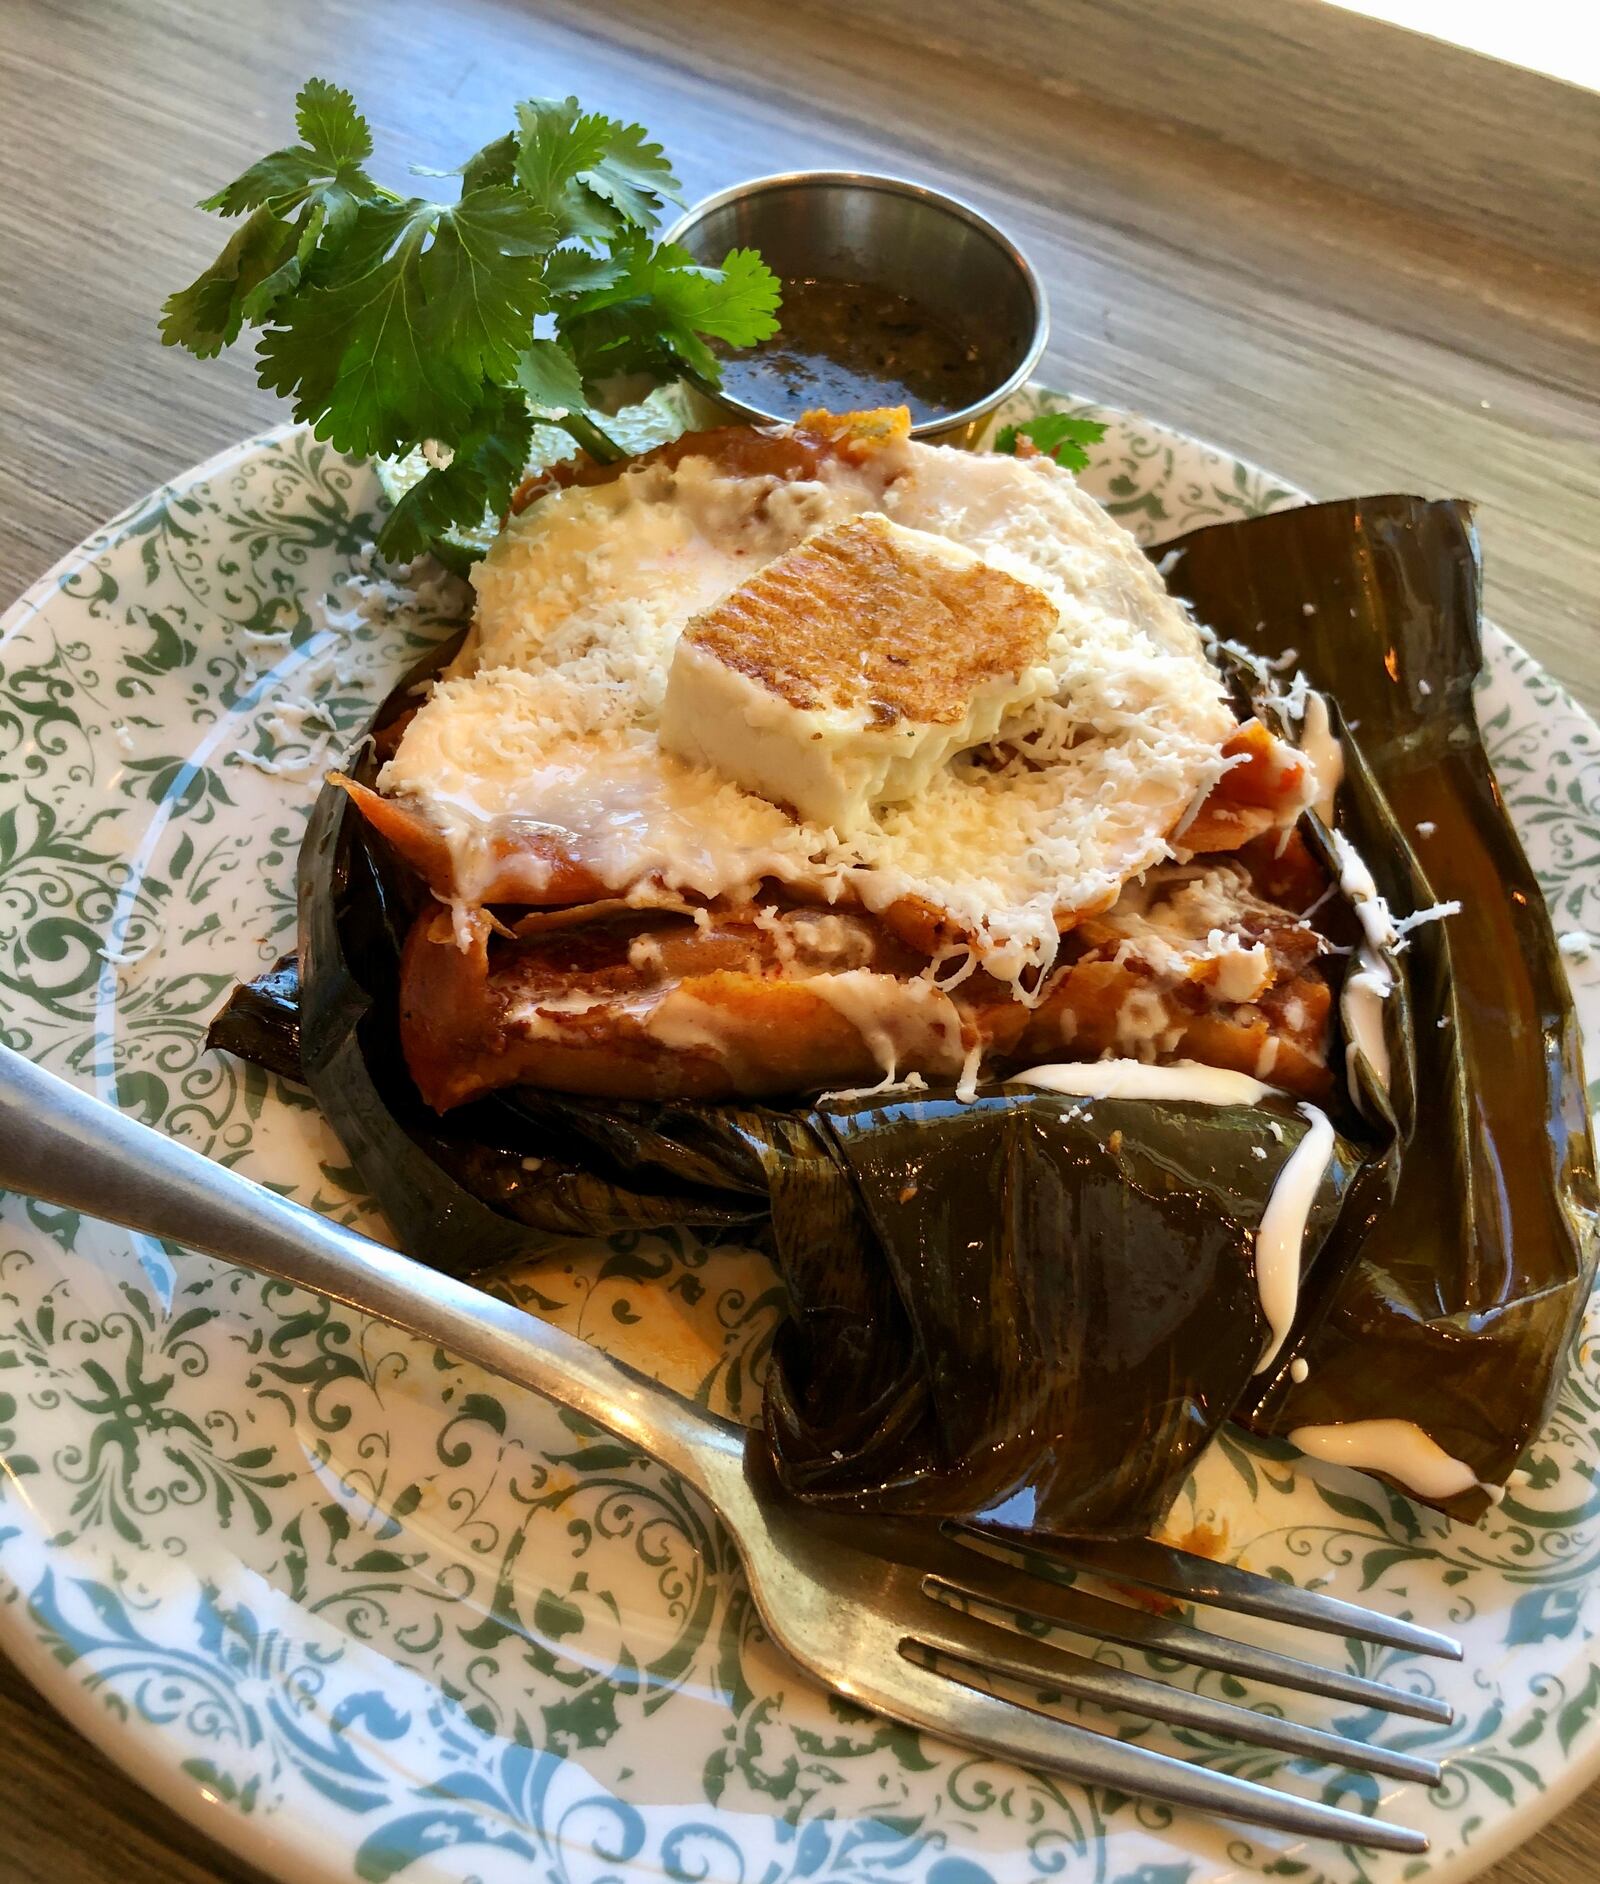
column 996, row 1315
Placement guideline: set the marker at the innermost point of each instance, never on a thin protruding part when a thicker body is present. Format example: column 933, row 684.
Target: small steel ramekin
column 890, row 234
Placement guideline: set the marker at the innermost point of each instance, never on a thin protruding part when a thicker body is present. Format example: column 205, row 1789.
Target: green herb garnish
column 396, row 321
column 1058, row 435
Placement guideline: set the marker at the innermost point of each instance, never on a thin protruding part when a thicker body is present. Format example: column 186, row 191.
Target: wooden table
column 1350, row 346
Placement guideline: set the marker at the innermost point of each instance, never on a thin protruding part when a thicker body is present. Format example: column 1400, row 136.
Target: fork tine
column 1177, row 1572
column 987, row 1645
column 954, row 1709
column 1004, row 1584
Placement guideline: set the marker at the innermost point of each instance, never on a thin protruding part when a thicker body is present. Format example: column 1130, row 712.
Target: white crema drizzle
column 1321, row 745
column 1135, row 1079
column 1399, row 1449
column 1281, row 1236
column 1369, row 987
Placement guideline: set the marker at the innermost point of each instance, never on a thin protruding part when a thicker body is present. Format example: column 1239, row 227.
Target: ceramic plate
column 362, row 1612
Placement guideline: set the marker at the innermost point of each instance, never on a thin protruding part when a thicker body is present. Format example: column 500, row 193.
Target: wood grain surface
column 1389, row 113
column 1351, row 345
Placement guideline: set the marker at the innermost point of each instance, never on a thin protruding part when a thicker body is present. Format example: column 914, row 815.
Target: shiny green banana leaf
column 1026, row 1309
column 1457, row 1308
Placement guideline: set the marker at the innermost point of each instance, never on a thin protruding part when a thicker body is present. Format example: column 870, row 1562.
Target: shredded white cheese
column 549, row 717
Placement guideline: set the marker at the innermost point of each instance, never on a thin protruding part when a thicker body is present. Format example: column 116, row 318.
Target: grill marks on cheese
column 871, row 618
column 844, row 674
column 538, row 763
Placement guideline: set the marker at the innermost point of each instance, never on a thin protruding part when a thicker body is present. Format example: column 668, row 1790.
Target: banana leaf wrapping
column 1034, row 1310
column 1457, row 1310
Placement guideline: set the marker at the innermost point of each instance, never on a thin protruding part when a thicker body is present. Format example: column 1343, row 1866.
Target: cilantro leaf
column 260, row 301
column 662, row 301
column 349, row 350
column 206, row 316
column 633, row 175
column 1058, row 435
column 337, row 143
column 549, row 376
column 596, row 176
column 571, row 271
column 495, row 164
column 393, row 340
column 479, row 479
column 327, row 119
column 322, row 179
column 737, row 302
column 483, row 278
column 556, row 142
column 283, row 176
column 388, row 320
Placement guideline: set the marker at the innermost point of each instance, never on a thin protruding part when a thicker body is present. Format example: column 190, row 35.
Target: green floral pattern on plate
column 364, row 1613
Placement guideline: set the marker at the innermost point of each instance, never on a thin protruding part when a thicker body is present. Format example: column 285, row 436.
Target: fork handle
column 59, row 1144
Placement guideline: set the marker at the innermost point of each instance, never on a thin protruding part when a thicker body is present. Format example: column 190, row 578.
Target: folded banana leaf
column 1459, row 1304
column 1035, row 1310
column 1026, row 1310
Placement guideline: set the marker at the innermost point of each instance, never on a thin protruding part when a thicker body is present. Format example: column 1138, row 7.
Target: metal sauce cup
column 844, row 225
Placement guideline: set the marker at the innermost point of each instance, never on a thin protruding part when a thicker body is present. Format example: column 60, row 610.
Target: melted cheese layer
column 549, row 718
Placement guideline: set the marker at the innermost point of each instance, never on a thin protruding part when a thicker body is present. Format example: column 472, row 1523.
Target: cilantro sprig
column 1058, row 435
column 393, row 321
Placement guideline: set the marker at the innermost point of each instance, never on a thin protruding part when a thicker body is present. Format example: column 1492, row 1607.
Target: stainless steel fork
column 913, row 1620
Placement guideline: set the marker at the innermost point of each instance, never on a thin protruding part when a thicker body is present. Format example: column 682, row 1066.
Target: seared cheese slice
column 845, row 673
